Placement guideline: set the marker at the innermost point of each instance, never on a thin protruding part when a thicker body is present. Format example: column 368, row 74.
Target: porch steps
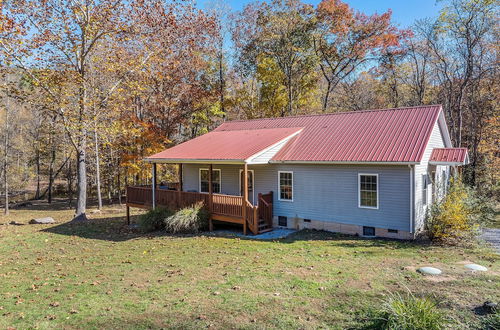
column 263, row 226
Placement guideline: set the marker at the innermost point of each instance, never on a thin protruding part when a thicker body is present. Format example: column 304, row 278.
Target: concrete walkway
column 492, row 236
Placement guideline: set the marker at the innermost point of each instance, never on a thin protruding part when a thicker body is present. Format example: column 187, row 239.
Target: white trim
column 279, row 187
column 445, row 133
column 316, row 162
column 359, row 191
column 249, row 159
column 253, row 184
column 220, row 179
column 449, row 163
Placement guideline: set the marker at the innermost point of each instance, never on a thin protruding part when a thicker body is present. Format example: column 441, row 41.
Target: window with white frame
column 368, row 191
column 285, row 186
column 425, row 184
column 204, row 182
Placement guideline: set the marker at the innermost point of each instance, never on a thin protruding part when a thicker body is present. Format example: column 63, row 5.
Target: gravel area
column 492, row 236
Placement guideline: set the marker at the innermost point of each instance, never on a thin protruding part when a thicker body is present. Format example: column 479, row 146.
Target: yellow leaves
column 451, row 218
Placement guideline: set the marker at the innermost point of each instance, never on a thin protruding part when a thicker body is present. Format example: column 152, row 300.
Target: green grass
column 102, row 274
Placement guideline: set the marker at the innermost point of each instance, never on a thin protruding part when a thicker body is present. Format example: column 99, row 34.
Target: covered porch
column 237, row 148
column 255, row 214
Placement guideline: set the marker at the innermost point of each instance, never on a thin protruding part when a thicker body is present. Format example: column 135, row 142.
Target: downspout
column 412, row 204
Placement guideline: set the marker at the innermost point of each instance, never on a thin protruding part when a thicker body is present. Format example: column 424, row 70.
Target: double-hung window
column 368, row 191
column 285, row 181
column 204, row 182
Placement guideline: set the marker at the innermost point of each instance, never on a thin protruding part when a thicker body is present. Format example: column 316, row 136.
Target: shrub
column 401, row 312
column 188, row 220
column 457, row 217
column 154, row 219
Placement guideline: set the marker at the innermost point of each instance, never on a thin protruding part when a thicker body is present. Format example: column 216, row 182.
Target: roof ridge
column 335, row 113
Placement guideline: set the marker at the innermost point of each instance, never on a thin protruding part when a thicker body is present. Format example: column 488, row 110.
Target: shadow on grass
column 109, row 229
column 115, row 229
column 58, row 204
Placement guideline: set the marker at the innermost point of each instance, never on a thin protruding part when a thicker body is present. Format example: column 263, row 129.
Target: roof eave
column 448, row 163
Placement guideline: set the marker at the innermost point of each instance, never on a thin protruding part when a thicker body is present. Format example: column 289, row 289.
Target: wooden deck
column 226, row 208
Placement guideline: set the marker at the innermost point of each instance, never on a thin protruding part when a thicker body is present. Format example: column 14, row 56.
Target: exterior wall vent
column 368, row 231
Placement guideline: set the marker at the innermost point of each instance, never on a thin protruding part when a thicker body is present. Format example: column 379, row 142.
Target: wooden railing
column 167, row 198
column 266, row 208
column 172, row 199
column 227, row 205
column 252, row 217
column 139, row 195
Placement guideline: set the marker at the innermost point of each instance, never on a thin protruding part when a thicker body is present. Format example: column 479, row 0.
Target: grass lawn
column 101, row 274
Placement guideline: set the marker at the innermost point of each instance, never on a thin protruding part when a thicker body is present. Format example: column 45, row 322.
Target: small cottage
column 370, row 173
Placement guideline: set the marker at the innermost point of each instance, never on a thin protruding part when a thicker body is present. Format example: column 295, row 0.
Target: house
column 371, row 173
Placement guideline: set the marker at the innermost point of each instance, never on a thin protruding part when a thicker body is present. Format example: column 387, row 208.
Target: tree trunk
column 81, row 168
column 6, row 156
column 69, row 179
column 37, row 194
column 119, row 185
column 290, row 95
column 327, row 95
column 222, row 82
column 51, row 166
column 81, row 151
column 97, row 170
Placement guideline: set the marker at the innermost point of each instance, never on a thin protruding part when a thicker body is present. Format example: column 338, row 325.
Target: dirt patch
column 439, row 278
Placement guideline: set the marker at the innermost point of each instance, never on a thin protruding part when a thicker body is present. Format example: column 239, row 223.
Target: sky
column 404, row 12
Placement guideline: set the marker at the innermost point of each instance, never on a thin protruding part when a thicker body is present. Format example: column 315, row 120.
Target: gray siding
column 325, row 192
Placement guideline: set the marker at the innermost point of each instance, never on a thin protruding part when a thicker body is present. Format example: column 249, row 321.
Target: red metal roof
column 236, row 145
column 391, row 135
column 449, row 155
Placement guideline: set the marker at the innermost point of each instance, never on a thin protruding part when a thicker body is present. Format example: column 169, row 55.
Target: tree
column 346, row 39
column 61, row 36
column 278, row 35
column 460, row 45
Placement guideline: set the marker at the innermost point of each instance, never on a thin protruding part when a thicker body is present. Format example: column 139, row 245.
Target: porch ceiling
column 228, row 147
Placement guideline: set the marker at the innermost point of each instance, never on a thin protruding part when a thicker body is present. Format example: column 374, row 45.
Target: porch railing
column 227, row 205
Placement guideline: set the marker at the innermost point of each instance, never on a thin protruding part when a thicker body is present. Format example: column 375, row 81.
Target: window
column 444, row 182
column 204, row 181
column 368, row 231
column 425, row 183
column 368, row 191
column 282, row 221
column 392, row 231
column 285, row 186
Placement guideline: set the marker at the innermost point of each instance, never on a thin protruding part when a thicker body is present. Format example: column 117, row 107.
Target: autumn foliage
column 458, row 216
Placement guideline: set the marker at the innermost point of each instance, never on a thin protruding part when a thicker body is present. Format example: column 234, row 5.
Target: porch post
column 180, row 177
column 153, row 186
column 210, row 197
column 245, row 197
column 179, row 188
